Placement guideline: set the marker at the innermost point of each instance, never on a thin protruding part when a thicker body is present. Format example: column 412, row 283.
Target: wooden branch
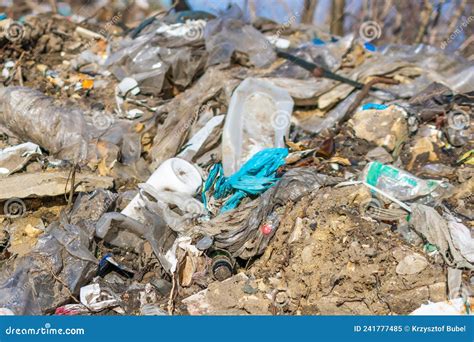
column 424, row 21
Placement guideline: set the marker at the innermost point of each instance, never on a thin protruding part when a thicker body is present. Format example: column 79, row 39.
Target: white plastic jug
column 259, row 117
column 176, row 175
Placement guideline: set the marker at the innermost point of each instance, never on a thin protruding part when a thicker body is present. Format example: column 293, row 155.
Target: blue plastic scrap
column 370, row 47
column 376, row 106
column 3, row 16
column 317, row 41
column 254, row 177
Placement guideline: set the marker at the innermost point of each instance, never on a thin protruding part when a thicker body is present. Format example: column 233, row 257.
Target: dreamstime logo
column 102, row 120
column 282, row 28
column 14, row 208
column 370, row 30
column 105, row 30
column 196, row 31
column 458, row 120
column 457, row 32
column 15, row 32
column 187, row 125
column 193, row 207
column 281, row 120
column 46, row 330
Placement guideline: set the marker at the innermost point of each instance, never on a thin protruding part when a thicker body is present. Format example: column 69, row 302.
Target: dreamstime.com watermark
column 12, row 31
column 106, row 28
column 281, row 29
column 457, row 32
column 14, row 207
column 370, row 30
column 46, row 330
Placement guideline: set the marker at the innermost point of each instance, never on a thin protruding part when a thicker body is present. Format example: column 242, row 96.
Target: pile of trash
column 201, row 164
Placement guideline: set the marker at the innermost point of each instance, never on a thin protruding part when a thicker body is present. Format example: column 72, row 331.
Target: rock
column 424, row 147
column 438, row 292
column 407, row 301
column 383, row 127
column 300, row 232
column 412, row 264
column 33, row 232
column 227, row 298
column 307, row 254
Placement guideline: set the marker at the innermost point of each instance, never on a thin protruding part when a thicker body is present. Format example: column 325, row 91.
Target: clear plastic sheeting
column 238, row 230
column 122, row 231
column 29, row 114
column 449, row 237
column 328, row 56
column 142, row 62
column 452, row 70
column 157, row 53
column 29, row 285
column 14, row 158
column 230, row 33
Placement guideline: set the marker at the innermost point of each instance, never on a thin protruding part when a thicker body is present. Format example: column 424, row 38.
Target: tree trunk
column 337, row 17
column 308, row 11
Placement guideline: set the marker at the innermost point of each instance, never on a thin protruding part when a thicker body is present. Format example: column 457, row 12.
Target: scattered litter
column 96, row 298
column 13, row 159
column 452, row 308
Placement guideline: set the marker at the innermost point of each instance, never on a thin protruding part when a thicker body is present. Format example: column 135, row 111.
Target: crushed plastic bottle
column 402, row 184
column 30, row 114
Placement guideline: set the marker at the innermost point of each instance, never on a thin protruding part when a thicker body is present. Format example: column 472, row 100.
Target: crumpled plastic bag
column 254, row 177
column 97, row 298
column 238, row 231
column 328, row 56
column 156, row 53
column 160, row 203
column 30, row 286
column 449, row 237
column 229, row 33
column 14, row 158
column 446, row 308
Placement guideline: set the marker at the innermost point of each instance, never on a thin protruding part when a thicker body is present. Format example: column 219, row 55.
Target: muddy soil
column 328, row 259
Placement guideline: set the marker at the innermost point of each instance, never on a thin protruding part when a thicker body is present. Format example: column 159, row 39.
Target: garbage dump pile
column 197, row 166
